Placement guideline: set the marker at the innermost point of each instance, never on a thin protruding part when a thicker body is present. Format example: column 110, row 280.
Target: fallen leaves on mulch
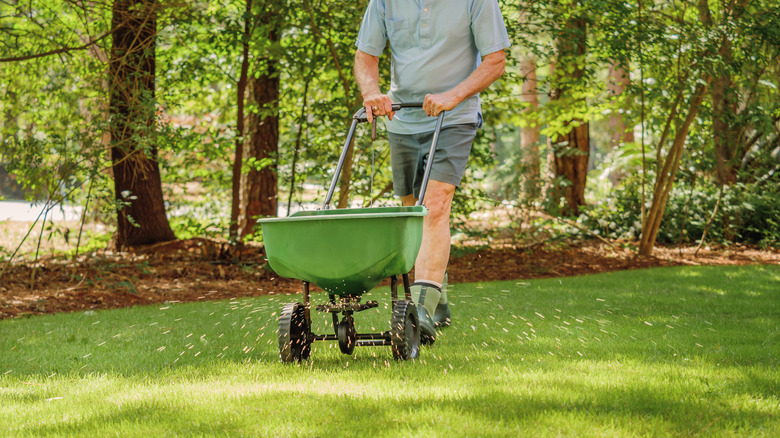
column 202, row 269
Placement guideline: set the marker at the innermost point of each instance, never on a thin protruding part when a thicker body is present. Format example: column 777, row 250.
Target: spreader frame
column 295, row 327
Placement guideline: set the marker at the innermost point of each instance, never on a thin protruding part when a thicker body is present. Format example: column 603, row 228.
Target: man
column 444, row 52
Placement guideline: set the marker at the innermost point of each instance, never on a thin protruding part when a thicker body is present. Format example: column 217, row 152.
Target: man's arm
column 367, row 78
column 491, row 68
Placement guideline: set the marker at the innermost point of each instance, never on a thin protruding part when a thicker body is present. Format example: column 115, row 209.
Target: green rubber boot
column 426, row 298
column 442, row 317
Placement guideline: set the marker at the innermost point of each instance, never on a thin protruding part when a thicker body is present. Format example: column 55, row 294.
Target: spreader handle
column 360, row 116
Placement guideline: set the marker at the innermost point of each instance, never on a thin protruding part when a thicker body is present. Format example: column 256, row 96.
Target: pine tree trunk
column 141, row 217
column 262, row 190
column 238, row 158
column 262, row 194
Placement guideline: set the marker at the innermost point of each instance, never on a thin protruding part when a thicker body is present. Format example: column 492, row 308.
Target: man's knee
column 438, row 199
column 438, row 206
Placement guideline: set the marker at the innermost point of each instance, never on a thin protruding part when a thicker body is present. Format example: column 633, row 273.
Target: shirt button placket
column 425, row 23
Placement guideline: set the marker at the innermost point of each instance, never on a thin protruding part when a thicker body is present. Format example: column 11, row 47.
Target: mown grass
column 661, row 352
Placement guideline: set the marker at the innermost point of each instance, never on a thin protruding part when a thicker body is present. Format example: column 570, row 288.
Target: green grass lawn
column 672, row 351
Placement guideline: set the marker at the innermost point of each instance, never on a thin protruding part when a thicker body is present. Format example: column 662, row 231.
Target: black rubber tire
column 294, row 342
column 405, row 331
column 347, row 335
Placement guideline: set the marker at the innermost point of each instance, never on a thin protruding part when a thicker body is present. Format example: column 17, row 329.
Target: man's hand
column 378, row 105
column 367, row 77
column 436, row 103
column 491, row 68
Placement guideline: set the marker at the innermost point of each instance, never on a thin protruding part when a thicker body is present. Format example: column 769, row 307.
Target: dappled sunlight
column 632, row 396
column 634, row 353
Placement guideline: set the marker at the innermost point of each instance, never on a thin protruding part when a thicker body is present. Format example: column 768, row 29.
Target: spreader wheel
column 405, row 331
column 347, row 335
column 294, row 342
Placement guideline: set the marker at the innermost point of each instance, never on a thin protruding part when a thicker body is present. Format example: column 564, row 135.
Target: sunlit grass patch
column 650, row 352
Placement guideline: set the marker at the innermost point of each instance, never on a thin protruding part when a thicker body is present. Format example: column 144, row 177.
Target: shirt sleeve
column 487, row 26
column 373, row 34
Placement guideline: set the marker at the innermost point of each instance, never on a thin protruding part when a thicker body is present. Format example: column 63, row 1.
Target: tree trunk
column 529, row 135
column 141, row 217
column 725, row 133
column 571, row 150
column 238, row 158
column 665, row 179
column 617, row 83
column 262, row 191
column 571, row 153
column 727, row 136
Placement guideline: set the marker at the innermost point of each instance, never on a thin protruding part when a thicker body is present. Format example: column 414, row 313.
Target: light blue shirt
column 435, row 45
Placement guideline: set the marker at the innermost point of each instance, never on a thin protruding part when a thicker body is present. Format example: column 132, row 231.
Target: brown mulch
column 202, row 269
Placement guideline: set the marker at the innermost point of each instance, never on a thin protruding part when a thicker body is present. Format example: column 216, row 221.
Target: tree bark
column 665, row 179
column 725, row 132
column 262, row 190
column 571, row 150
column 529, row 135
column 141, row 217
column 238, row 158
column 571, row 153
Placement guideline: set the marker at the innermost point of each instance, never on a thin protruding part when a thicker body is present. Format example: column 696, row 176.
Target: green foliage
column 92, row 241
column 53, row 108
column 747, row 213
column 188, row 226
column 752, row 213
column 50, row 129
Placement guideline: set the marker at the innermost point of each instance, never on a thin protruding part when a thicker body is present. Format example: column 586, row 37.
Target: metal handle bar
column 360, row 116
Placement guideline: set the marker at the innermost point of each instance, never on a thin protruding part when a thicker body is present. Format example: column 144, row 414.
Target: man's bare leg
column 435, row 248
column 434, row 254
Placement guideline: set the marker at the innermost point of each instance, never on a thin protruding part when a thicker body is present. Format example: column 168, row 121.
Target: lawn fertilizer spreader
column 348, row 252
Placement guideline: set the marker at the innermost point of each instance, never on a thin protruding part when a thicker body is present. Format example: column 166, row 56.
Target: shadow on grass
column 276, row 411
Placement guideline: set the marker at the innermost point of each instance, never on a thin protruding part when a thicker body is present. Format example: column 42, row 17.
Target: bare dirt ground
column 202, row 269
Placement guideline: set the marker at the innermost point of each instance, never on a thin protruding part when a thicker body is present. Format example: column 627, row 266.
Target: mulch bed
column 202, row 269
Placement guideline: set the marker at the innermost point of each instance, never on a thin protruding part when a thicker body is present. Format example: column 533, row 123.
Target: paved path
column 25, row 212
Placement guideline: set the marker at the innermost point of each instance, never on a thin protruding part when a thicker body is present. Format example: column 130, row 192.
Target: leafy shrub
column 748, row 213
column 191, row 226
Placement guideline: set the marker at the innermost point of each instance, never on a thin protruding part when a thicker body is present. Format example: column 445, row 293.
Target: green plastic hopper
column 346, row 251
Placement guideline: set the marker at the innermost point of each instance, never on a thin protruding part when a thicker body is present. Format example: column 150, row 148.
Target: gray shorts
column 409, row 156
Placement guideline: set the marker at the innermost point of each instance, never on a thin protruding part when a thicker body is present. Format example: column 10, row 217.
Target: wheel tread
column 404, row 345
